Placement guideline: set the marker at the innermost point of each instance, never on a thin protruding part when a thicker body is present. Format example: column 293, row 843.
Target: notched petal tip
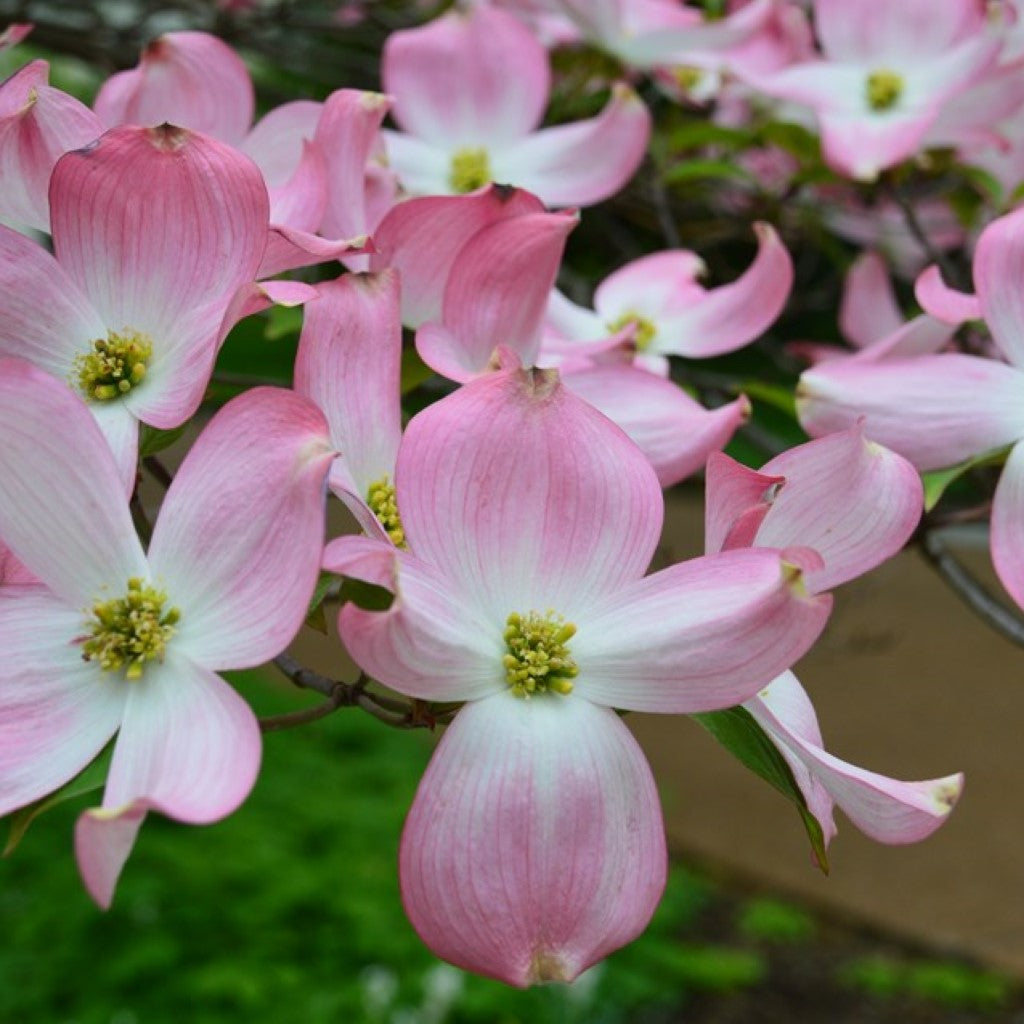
column 541, row 383
column 168, row 137
column 547, row 967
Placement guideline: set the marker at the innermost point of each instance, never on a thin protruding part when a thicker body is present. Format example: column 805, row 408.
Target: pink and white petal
column 942, row 302
column 998, row 266
column 348, row 364
column 935, row 410
column 423, row 168
column 736, row 500
column 700, row 635
column 565, row 320
column 63, row 510
column 1008, row 525
column 868, row 311
column 675, row 432
column 527, row 858
column 189, row 748
column 582, row 163
column 276, row 142
column 38, row 125
column 192, row 79
column 887, row 810
column 125, row 210
column 14, row 33
column 12, row 572
column 726, row 318
column 422, row 237
column 431, row 643
column 862, row 145
column 650, row 284
column 853, row 501
column 347, row 134
column 467, row 79
column 498, row 289
column 299, row 202
column 922, row 336
column 121, row 429
column 57, row 712
column 242, row 571
column 44, row 316
column 291, row 248
column 559, row 527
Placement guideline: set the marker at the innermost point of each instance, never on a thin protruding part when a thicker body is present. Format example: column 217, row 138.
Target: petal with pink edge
column 62, row 505
column 853, row 501
column 868, row 311
column 582, row 163
column 675, row 432
column 649, row 285
column 726, row 318
column 1008, row 525
column 496, row 294
column 535, row 845
column 885, row 809
column 124, row 211
column 467, row 79
column 57, row 712
column 11, row 570
column 238, row 542
column 701, row 635
column 192, row 79
column 998, row 266
column 736, row 500
column 924, row 335
column 934, row 410
column 942, row 302
column 276, row 140
column 527, row 497
column 430, row 643
column 189, row 747
column 348, row 364
column 422, row 237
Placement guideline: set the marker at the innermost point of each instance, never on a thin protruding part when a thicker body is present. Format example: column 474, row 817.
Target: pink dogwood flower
column 856, row 504
column 157, row 236
column 535, row 845
column 470, row 90
column 121, row 641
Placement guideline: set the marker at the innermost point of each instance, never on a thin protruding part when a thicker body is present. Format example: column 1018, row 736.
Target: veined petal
column 57, row 711
column 528, row 857
column 63, row 510
column 934, row 410
column 582, row 163
column 240, row 570
column 922, row 336
column 650, row 284
column 736, row 500
column 853, row 501
column 998, row 266
column 885, row 809
column 868, row 311
column 348, row 365
column 496, row 293
column 430, row 643
column 423, row 168
column 276, row 142
column 422, row 237
column 192, row 79
column 38, row 124
column 573, row 521
column 726, row 318
column 467, row 78
column 125, row 210
column 189, row 747
column 675, row 432
column 700, row 635
column 11, row 570
column 945, row 303
column 300, row 200
column 1008, row 525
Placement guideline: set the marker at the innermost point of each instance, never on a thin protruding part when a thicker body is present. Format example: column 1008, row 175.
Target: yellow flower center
column 384, row 505
column 114, row 365
column 128, row 631
column 645, row 329
column 471, row 169
column 688, row 76
column 884, row 88
column 538, row 658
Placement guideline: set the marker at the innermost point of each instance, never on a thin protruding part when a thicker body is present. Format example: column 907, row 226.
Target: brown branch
column 158, row 471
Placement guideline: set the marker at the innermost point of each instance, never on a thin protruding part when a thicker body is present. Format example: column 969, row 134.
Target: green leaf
column 775, row 395
column 152, row 441
column 737, row 731
column 714, row 169
column 414, row 371
column 92, row 778
column 283, row 321
column 936, row 482
column 694, row 134
column 367, row 596
column 315, row 618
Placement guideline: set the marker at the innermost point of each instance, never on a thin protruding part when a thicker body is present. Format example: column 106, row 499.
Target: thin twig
column 949, row 272
column 293, row 718
column 663, row 209
column 970, row 590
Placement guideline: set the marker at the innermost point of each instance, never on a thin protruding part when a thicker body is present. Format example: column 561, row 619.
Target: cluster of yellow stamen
column 471, row 169
column 688, row 76
column 384, row 505
column 884, row 88
column 115, row 365
column 538, row 660
column 128, row 631
column 645, row 329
